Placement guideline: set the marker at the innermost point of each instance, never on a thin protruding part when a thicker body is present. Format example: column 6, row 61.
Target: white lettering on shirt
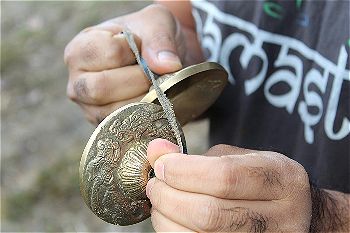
column 220, row 51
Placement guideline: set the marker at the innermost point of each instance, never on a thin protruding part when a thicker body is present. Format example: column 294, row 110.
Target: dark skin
column 229, row 189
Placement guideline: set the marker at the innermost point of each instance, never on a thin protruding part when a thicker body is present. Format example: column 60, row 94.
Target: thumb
column 159, row 147
column 159, row 43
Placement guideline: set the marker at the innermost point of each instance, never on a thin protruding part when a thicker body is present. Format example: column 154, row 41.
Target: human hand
column 103, row 74
column 229, row 190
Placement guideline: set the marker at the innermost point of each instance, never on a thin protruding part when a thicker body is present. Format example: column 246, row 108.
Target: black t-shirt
column 288, row 64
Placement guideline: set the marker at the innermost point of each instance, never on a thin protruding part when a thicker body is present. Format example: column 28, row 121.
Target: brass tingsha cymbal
column 191, row 90
column 114, row 169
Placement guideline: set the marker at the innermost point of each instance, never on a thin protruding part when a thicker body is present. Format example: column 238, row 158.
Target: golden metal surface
column 191, row 90
column 163, row 100
column 114, row 169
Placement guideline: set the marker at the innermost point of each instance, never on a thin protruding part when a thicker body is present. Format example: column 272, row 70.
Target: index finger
column 250, row 176
column 97, row 50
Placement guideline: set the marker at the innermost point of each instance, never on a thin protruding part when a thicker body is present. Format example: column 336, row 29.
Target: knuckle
column 298, row 183
column 301, row 177
column 228, row 179
column 70, row 92
column 78, row 88
column 216, row 148
column 239, row 218
column 298, row 171
column 160, row 11
column 118, row 52
column 71, row 51
column 98, row 88
column 272, row 154
column 87, row 29
column 87, row 46
column 220, row 148
column 89, row 50
column 68, row 54
column 211, row 219
column 155, row 8
column 258, row 222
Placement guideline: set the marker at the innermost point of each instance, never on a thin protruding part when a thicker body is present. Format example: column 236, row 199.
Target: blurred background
column 42, row 133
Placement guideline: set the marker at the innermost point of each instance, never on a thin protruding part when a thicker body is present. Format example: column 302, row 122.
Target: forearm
column 330, row 211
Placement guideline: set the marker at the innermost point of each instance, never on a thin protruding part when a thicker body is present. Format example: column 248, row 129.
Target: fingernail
column 159, row 169
column 149, row 187
column 169, row 57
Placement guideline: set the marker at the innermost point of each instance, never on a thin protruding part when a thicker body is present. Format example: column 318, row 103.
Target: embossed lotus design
column 133, row 176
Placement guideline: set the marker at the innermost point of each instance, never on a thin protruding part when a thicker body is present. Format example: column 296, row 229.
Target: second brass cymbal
column 191, row 90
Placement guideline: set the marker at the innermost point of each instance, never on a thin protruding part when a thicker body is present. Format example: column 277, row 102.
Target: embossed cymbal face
column 191, row 90
column 114, row 169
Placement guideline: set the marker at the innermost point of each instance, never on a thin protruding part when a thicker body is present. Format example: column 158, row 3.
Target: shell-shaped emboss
column 134, row 170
